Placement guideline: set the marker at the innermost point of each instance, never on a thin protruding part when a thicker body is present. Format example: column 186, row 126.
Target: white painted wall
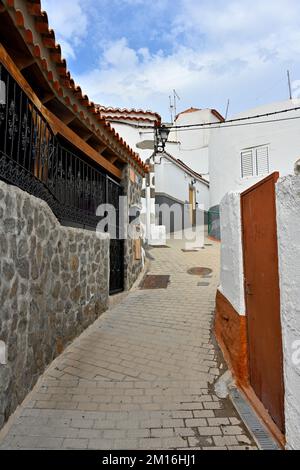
column 133, row 136
column 232, row 286
column 175, row 182
column 232, row 269
column 170, row 179
column 288, row 221
column 192, row 146
column 226, row 144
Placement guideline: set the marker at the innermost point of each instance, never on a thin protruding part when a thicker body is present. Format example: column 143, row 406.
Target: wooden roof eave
column 101, row 129
column 55, row 123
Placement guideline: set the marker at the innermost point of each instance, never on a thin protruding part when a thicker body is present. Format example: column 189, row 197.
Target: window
column 255, row 161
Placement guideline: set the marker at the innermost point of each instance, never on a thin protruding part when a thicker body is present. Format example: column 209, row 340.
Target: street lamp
column 161, row 137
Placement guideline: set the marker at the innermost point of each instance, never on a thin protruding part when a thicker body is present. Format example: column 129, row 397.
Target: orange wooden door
column 263, row 296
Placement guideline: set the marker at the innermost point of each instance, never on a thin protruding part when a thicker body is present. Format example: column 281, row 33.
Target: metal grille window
column 255, row 161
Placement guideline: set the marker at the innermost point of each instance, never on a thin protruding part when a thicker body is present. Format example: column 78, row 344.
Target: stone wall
column 54, row 283
column 288, row 228
column 132, row 188
column 214, row 222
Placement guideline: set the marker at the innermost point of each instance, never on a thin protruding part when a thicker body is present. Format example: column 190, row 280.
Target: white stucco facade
column 192, row 145
column 232, row 268
column 171, row 179
column 174, row 181
column 133, row 135
column 288, row 221
column 232, row 284
column 226, row 144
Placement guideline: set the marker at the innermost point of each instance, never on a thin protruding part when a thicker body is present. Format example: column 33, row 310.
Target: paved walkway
column 141, row 377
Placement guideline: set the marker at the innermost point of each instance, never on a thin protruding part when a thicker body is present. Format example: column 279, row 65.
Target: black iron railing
column 37, row 161
column 34, row 159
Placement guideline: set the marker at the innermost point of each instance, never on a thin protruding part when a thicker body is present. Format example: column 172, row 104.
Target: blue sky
column 133, row 53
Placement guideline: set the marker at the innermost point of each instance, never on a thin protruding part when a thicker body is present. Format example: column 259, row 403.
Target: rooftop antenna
column 171, row 109
column 227, row 109
column 176, row 97
column 289, row 83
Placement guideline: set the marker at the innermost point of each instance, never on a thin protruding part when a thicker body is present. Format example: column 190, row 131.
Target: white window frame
column 254, row 161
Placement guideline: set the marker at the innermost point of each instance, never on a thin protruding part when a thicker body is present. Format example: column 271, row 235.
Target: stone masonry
column 142, row 376
column 132, row 188
column 53, row 284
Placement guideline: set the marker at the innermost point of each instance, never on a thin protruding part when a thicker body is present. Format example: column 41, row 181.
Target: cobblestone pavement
column 142, row 376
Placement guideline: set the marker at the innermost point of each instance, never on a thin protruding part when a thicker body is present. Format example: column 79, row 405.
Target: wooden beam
column 113, row 159
column 88, row 136
column 24, row 63
column 68, row 120
column 101, row 148
column 57, row 125
column 47, row 98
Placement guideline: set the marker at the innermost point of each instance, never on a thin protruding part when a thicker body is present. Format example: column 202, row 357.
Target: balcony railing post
column 39, row 162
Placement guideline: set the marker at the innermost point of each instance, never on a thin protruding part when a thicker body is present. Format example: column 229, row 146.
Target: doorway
column 262, row 296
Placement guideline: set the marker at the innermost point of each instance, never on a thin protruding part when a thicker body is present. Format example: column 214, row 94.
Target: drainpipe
column 150, row 199
column 148, row 214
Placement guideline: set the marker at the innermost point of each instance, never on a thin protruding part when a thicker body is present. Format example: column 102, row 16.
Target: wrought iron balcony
column 37, row 161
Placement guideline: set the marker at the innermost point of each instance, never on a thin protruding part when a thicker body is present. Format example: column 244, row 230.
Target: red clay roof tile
column 48, row 41
column 124, row 111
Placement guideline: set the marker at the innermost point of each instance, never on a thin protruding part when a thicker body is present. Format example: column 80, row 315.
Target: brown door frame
column 247, row 388
column 192, row 195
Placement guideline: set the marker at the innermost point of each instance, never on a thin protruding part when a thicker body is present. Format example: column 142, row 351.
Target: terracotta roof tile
column 132, row 111
column 66, row 82
column 193, row 110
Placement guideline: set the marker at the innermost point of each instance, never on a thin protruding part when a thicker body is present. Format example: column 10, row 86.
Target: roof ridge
column 193, row 110
column 127, row 110
column 112, row 118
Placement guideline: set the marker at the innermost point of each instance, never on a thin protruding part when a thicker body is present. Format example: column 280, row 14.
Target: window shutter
column 262, row 161
column 247, row 163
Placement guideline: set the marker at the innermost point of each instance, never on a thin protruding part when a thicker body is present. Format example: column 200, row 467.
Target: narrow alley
column 142, row 376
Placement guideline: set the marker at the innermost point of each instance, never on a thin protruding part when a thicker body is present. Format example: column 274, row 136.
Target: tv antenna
column 171, row 109
column 289, row 85
column 227, row 109
column 173, row 105
column 176, row 97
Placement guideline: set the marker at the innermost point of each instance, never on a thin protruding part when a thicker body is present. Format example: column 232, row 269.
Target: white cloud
column 118, row 55
column 247, row 18
column 216, row 50
column 69, row 20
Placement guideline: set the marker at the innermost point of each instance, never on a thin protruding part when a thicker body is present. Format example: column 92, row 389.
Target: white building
column 134, row 126
column 245, row 152
column 232, row 156
column 176, row 181
column 191, row 144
